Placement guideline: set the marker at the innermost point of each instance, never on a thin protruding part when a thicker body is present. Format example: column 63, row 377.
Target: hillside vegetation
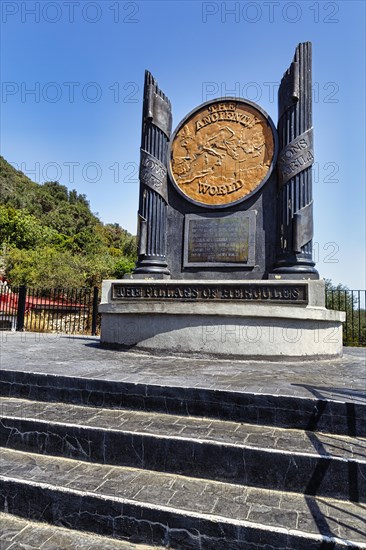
column 49, row 237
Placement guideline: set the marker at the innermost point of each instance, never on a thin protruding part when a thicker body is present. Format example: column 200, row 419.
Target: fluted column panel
column 156, row 128
column 295, row 160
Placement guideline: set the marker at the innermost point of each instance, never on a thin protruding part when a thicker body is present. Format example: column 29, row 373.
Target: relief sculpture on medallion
column 222, row 152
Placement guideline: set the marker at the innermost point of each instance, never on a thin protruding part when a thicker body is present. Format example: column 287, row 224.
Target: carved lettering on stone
column 243, row 292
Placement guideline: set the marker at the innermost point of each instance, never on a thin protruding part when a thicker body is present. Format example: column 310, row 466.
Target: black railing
column 353, row 303
column 58, row 310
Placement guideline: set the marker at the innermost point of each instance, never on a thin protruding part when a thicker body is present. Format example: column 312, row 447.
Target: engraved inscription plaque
column 213, row 240
column 185, row 291
column 222, row 152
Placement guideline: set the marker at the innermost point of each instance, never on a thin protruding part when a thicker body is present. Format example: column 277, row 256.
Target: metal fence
column 353, row 303
column 58, row 310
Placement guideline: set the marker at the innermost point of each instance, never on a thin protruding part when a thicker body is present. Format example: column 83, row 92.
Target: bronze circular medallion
column 222, row 152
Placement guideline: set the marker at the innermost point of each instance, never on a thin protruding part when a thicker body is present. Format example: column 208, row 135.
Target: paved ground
column 83, row 357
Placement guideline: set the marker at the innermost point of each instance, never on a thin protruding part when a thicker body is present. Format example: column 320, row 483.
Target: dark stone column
column 156, row 129
column 295, row 200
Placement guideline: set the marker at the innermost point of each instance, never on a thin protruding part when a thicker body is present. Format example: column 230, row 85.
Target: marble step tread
column 21, row 534
column 301, row 406
column 189, row 428
column 168, row 495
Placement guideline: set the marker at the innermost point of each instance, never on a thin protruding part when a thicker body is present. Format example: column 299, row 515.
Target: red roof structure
column 9, row 303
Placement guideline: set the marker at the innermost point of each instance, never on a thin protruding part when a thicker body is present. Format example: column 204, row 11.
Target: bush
column 123, row 266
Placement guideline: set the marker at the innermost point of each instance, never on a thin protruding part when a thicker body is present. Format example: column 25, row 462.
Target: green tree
column 45, row 267
column 22, row 230
column 51, row 237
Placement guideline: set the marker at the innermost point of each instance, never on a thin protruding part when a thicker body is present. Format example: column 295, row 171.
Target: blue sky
column 72, row 77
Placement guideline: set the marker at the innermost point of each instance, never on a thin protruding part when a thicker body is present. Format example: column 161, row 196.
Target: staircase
column 91, row 463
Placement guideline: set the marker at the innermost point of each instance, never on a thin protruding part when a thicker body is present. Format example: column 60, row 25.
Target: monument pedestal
column 225, row 203
column 269, row 320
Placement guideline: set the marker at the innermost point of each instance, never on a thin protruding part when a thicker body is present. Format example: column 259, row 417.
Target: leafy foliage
column 123, row 266
column 51, row 238
column 22, row 230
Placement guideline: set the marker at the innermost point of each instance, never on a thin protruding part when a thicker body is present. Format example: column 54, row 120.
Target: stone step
column 274, row 458
column 317, row 413
column 173, row 511
column 21, row 534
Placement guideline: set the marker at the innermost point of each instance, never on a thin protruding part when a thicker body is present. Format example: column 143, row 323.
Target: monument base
column 270, row 320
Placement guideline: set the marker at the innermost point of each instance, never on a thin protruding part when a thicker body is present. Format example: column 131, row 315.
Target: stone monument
column 225, row 232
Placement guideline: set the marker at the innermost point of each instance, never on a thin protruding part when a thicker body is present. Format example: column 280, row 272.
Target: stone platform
column 119, row 449
column 273, row 320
